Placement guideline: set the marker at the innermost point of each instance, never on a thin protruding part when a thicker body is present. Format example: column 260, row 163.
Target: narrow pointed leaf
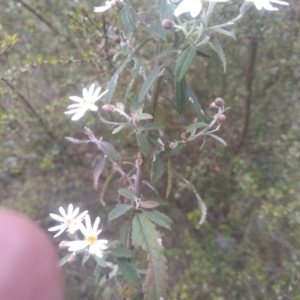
column 127, row 194
column 184, row 62
column 180, row 94
column 217, row 47
column 118, row 211
column 143, row 116
column 110, row 151
column 196, row 126
column 148, row 83
column 64, row 260
column 119, row 128
column 218, row 139
column 128, row 272
column 158, row 218
column 173, row 151
column 98, row 171
column 158, row 169
column 143, row 143
column 151, row 126
column 127, row 21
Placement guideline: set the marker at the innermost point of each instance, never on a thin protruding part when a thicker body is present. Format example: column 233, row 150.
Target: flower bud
column 212, row 36
column 167, row 24
column 63, row 245
column 221, row 119
column 212, row 106
column 116, row 30
column 109, row 108
column 219, row 102
column 72, row 257
column 117, row 39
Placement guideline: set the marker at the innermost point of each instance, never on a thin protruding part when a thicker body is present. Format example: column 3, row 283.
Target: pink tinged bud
column 167, row 24
column 219, row 102
column 212, row 106
column 63, row 245
column 72, row 258
column 109, row 108
column 221, row 119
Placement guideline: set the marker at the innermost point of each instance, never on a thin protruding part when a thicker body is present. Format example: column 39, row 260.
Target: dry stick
column 249, row 88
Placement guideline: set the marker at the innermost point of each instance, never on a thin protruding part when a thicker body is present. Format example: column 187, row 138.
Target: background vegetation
column 249, row 246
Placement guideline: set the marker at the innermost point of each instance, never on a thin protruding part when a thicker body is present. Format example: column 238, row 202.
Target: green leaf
column 119, row 128
column 158, row 218
column 184, row 62
column 110, row 151
column 151, row 126
column 218, row 138
column 143, row 116
column 64, row 260
column 127, row 194
column 173, row 151
column 128, row 272
column 195, row 103
column 118, row 211
column 196, row 126
column 180, row 94
column 100, row 261
column 168, row 52
column 127, row 21
column 123, row 234
column 145, row 235
column 136, row 69
column 202, row 53
column 165, row 9
column 148, row 83
column 122, row 252
column 158, row 169
column 111, row 85
column 217, row 47
column 159, row 31
column 225, row 32
column 143, row 143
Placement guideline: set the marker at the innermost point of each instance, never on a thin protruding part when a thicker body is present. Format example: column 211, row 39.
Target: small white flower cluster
column 70, row 221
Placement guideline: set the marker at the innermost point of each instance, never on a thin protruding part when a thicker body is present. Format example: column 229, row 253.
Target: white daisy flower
column 108, row 5
column 192, row 6
column 87, row 102
column 90, row 238
column 68, row 220
column 266, row 4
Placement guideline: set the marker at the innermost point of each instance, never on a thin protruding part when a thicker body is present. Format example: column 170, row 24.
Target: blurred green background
column 249, row 246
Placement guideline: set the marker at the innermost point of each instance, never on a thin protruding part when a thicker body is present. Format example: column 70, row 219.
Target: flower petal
column 101, row 8
column 92, row 107
column 57, row 218
column 58, row 227
column 73, row 111
column 60, row 232
column 77, row 99
column 75, row 105
column 70, row 210
column 75, row 212
column 76, row 245
column 196, row 10
column 63, row 213
column 79, row 114
column 85, row 93
column 96, row 224
column 88, row 223
column 91, row 90
column 100, row 96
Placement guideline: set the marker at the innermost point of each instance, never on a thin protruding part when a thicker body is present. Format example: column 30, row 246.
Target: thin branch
column 249, row 88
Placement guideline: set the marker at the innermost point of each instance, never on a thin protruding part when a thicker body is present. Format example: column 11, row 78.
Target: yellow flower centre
column 68, row 222
column 91, row 240
column 87, row 101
